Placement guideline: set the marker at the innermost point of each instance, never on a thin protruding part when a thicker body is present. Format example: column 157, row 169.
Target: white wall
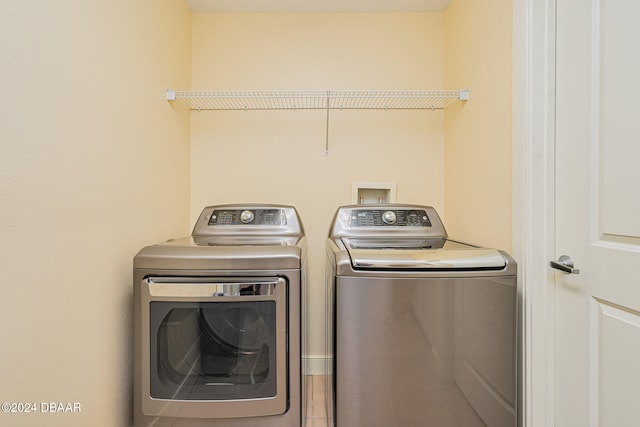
column 278, row 156
column 94, row 164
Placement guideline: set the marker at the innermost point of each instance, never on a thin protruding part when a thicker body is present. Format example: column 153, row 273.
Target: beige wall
column 478, row 40
column 278, row 156
column 94, row 164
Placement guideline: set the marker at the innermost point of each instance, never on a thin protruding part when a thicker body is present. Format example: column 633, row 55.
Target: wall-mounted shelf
column 200, row 100
column 317, row 100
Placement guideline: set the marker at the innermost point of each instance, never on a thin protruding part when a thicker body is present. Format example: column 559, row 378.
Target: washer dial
column 389, row 217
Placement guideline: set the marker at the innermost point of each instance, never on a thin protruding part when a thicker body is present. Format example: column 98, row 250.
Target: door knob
column 565, row 263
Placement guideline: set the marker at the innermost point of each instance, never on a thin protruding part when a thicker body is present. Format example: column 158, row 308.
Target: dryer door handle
column 194, row 287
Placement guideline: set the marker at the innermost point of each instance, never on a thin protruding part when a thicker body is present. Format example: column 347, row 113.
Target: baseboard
column 316, row 365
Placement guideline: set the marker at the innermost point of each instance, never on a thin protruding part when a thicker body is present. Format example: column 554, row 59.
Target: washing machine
column 422, row 327
column 217, row 321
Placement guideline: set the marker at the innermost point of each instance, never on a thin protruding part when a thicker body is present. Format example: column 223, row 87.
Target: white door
column 597, row 346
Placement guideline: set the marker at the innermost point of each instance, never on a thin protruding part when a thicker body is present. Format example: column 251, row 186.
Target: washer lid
column 420, row 254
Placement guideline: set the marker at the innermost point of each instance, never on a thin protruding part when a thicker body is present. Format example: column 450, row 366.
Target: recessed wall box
column 367, row 193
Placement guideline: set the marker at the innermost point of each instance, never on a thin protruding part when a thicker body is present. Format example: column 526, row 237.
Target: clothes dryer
column 217, row 322
column 423, row 327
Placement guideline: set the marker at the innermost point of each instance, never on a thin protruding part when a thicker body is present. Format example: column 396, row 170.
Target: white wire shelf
column 317, row 100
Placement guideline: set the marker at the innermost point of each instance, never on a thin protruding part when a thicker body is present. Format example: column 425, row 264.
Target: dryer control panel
column 248, row 220
column 248, row 217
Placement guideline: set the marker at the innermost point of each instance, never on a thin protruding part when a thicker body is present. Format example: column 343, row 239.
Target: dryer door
column 216, row 347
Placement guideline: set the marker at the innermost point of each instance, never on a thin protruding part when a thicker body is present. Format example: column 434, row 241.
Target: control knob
column 246, row 217
column 389, row 217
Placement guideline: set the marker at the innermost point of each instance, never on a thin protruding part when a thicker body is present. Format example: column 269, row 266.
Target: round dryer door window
column 213, row 351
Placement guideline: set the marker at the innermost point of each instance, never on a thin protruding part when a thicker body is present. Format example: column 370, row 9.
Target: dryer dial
column 246, row 217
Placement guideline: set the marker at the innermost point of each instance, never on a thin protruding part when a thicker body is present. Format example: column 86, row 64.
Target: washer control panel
column 391, row 220
column 389, row 217
column 248, row 217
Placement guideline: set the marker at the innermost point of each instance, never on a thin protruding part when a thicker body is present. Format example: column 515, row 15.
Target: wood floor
column 316, row 403
column 317, row 412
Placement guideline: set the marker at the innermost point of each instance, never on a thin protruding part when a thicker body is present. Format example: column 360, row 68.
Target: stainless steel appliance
column 217, row 336
column 424, row 327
